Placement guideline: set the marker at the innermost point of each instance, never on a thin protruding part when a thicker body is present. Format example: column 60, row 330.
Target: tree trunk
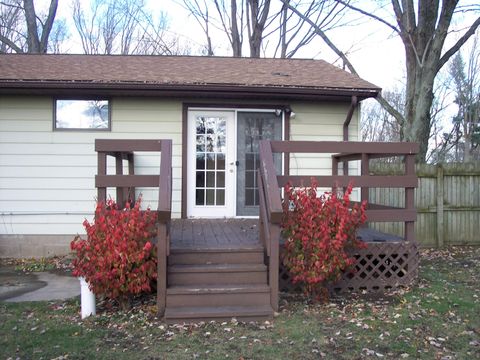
column 236, row 39
column 33, row 41
column 258, row 16
column 38, row 43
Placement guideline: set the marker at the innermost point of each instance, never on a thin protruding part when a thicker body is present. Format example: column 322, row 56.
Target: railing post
column 365, row 171
column 161, row 267
column 102, row 170
column 119, row 171
column 131, row 171
column 410, row 198
column 274, row 265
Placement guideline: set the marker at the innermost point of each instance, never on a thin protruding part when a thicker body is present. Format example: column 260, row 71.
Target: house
column 53, row 107
column 63, row 116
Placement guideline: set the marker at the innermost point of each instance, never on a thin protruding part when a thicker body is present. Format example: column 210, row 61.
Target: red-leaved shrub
column 318, row 232
column 118, row 258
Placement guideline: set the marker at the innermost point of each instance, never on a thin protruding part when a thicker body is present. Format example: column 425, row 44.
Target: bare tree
column 12, row 37
column 462, row 143
column 122, row 27
column 22, row 29
column 377, row 124
column 268, row 27
column 201, row 14
column 423, row 27
column 256, row 22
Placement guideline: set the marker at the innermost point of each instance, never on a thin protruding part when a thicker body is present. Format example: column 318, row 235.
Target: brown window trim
column 186, row 106
column 80, row 98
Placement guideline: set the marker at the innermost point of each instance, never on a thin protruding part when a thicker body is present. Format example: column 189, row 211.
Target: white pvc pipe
column 87, row 298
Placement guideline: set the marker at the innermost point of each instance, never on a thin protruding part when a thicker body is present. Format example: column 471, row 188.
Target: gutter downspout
column 346, row 123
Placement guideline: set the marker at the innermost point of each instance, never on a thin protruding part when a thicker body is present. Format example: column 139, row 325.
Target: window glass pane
column 200, row 197
column 200, row 143
column 200, row 161
column 249, row 197
column 210, row 179
column 210, row 161
column 249, row 179
column 200, row 125
column 82, row 114
column 210, row 197
column 220, row 197
column 221, row 161
column 220, row 179
column 200, row 179
column 210, row 143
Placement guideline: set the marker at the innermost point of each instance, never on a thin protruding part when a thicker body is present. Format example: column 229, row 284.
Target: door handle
column 236, row 163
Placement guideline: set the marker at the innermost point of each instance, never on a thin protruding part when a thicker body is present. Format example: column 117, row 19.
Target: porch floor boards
column 214, row 234
column 237, row 234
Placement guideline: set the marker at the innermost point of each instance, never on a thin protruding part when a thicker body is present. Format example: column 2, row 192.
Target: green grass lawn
column 438, row 318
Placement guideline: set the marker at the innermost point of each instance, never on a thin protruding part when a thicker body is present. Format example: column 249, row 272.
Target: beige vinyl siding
column 320, row 122
column 47, row 181
column 47, row 177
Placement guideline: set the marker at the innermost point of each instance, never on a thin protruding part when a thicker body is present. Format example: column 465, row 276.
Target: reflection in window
column 82, row 114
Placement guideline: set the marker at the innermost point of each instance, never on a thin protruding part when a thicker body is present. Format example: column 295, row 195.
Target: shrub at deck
column 118, row 258
column 318, row 233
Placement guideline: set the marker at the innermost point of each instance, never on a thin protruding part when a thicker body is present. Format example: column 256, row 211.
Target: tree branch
column 391, row 110
column 11, row 44
column 448, row 54
column 324, row 37
column 363, row 12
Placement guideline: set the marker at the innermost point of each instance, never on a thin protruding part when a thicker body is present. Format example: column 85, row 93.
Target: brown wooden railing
column 125, row 185
column 270, row 184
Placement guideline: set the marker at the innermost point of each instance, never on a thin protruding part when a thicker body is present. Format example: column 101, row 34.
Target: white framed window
column 81, row 114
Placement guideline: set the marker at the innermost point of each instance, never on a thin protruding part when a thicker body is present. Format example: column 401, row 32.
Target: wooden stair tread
column 193, row 312
column 217, row 289
column 203, row 268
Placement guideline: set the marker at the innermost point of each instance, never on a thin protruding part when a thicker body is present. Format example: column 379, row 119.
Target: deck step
column 192, row 314
column 244, row 255
column 217, row 274
column 218, row 295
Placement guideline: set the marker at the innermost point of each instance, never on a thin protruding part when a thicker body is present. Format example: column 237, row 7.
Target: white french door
column 211, row 167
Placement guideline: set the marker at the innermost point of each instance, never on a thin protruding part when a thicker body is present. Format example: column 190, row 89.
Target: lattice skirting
column 379, row 267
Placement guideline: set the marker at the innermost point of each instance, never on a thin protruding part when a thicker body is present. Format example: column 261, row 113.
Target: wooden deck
column 214, row 234
column 237, row 234
column 224, row 268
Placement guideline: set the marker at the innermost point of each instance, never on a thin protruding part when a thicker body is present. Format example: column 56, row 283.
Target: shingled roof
column 179, row 74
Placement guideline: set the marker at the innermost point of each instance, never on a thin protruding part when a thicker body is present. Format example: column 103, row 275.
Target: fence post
column 440, row 200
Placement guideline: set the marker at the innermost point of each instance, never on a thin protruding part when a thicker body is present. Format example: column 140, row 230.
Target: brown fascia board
column 74, row 88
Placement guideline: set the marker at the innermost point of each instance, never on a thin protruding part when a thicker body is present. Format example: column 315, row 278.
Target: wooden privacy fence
column 447, row 200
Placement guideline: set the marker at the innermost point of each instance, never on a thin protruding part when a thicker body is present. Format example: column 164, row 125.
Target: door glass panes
column 253, row 127
column 210, row 135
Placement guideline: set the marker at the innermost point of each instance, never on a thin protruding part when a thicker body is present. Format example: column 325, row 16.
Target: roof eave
column 75, row 88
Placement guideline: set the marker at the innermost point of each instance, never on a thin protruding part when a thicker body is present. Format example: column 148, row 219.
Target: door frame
column 286, row 110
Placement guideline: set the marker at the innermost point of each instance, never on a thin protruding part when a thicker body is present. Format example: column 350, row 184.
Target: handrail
column 269, row 184
column 345, row 147
column 123, row 149
column 270, row 216
column 273, row 200
column 165, row 183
